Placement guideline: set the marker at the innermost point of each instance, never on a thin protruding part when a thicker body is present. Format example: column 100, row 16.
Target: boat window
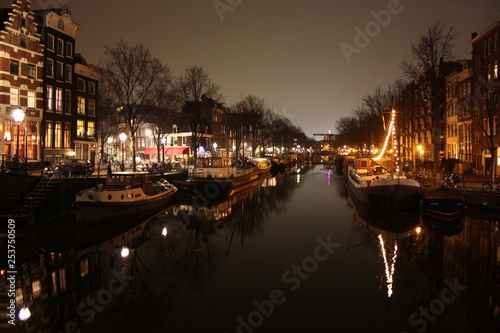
column 363, row 164
column 217, row 162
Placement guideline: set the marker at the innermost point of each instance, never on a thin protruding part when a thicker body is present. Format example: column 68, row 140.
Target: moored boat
column 126, row 195
column 443, row 202
column 215, row 176
column 370, row 182
column 263, row 164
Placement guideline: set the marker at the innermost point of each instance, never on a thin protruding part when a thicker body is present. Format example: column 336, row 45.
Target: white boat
column 371, row 183
column 125, row 195
column 215, row 176
column 263, row 164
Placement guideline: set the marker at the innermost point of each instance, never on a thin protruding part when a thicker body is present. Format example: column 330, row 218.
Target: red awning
column 168, row 151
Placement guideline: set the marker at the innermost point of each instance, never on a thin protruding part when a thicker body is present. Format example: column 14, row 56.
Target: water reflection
column 200, row 267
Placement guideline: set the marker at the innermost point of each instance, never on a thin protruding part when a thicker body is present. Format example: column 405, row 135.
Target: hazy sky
column 290, row 53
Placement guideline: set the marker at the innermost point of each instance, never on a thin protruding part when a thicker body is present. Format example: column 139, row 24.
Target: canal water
column 291, row 254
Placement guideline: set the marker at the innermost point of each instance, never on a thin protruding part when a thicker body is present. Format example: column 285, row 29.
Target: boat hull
column 214, row 187
column 443, row 203
column 90, row 213
column 399, row 194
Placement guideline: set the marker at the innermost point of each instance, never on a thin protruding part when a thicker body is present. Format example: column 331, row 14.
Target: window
column 50, row 98
column 31, row 99
column 60, row 24
column 49, row 67
column 14, row 96
column 495, row 42
column 91, row 88
column 80, row 108
column 31, row 71
column 84, row 267
column 80, row 85
column 495, row 70
column 24, row 41
column 59, row 100
column 69, row 73
column 36, row 288
column 14, row 67
column 490, row 45
column 60, row 47
column 58, row 135
column 7, row 136
column 59, row 71
column 67, row 101
column 90, row 129
column 69, row 49
column 48, row 134
column 23, row 22
column 67, row 135
column 80, row 128
column 91, row 107
column 50, row 42
column 485, row 49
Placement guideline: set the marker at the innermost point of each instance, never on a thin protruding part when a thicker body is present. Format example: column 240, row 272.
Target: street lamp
column 123, row 138
column 18, row 115
column 163, row 141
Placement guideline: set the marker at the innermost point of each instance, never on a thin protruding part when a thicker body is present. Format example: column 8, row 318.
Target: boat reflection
column 390, row 230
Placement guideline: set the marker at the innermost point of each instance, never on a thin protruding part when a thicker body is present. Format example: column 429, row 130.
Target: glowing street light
column 123, row 138
column 18, row 116
column 24, row 314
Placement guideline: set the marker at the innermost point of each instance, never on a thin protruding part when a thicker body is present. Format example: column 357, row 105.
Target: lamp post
column 123, row 138
column 215, row 147
column 163, row 141
column 18, row 115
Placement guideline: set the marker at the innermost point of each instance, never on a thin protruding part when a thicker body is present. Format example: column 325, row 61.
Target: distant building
column 21, row 61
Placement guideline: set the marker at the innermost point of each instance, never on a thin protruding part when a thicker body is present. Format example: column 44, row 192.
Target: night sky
column 286, row 52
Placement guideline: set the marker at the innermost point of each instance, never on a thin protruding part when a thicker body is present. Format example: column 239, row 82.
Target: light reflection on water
column 258, row 262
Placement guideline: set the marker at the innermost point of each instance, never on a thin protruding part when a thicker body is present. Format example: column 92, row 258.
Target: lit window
column 7, row 136
column 67, row 135
column 50, row 98
column 31, row 99
column 14, row 96
column 59, row 99
column 58, row 135
column 48, row 134
column 81, row 105
column 90, row 129
column 80, row 128
column 84, row 267
column 36, row 288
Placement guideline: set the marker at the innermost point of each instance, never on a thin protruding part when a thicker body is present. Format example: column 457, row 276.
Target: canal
column 292, row 254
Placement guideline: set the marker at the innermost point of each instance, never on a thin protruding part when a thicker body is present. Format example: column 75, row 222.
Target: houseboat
column 371, row 182
column 126, row 195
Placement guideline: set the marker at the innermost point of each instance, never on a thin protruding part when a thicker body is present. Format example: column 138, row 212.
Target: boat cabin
column 372, row 166
column 128, row 179
column 214, row 162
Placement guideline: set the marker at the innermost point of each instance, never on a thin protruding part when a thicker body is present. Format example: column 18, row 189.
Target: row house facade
column 21, row 82
column 70, row 91
column 485, row 97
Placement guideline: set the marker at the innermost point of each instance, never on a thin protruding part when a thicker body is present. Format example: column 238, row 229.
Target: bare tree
column 134, row 76
column 428, row 54
column 190, row 88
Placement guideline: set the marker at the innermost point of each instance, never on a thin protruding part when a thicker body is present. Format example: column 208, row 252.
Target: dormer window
column 60, row 24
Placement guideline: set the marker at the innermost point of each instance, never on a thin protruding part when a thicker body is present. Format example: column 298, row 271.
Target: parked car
column 69, row 167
